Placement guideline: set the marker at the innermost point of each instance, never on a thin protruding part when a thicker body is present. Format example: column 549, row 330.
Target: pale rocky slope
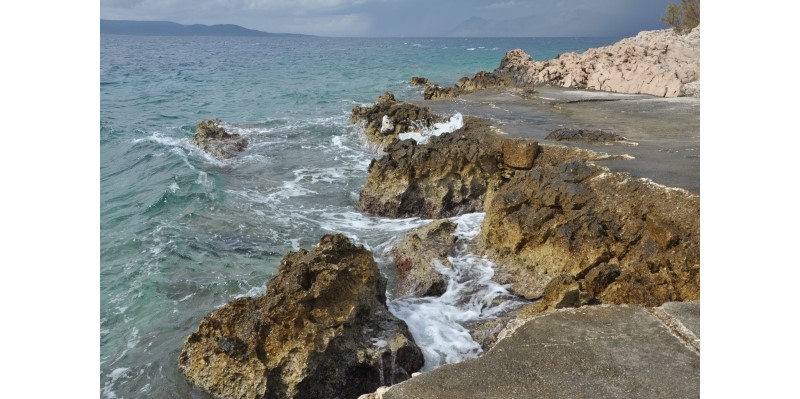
column 660, row 63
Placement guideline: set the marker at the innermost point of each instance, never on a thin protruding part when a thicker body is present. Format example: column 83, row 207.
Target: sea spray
column 438, row 323
column 423, row 135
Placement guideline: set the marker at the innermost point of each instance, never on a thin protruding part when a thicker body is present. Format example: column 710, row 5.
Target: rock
column 449, row 175
column 481, row 80
column 419, row 81
column 570, row 234
column 691, row 89
column 659, row 63
column 387, row 118
column 584, row 136
column 215, row 140
column 321, row 330
column 519, row 153
column 414, row 255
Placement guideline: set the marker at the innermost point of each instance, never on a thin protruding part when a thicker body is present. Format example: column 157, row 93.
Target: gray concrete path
column 591, row 352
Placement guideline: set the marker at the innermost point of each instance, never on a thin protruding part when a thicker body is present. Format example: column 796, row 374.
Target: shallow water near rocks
column 182, row 233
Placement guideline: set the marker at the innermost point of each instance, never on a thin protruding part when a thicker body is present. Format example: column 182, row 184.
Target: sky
column 406, row 18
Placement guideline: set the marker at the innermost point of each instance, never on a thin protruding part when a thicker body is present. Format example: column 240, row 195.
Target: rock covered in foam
column 215, row 140
column 661, row 63
column 387, row 118
column 321, row 330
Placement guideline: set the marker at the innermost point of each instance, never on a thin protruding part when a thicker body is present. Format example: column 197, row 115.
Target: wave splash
column 438, row 324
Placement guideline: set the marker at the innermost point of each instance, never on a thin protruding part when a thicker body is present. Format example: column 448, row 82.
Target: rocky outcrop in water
column 322, row 330
column 449, row 175
column 661, row 63
column 584, row 136
column 215, row 140
column 562, row 230
column 481, row 80
column 414, row 257
column 419, row 81
column 387, row 118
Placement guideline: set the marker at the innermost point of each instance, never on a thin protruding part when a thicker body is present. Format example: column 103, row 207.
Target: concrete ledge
column 596, row 351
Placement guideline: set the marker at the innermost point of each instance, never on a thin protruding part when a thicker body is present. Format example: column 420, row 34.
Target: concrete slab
column 596, row 351
column 688, row 313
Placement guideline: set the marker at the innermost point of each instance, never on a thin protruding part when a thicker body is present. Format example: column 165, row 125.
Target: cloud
column 501, row 5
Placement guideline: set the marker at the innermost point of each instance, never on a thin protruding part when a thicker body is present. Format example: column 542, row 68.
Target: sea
column 182, row 233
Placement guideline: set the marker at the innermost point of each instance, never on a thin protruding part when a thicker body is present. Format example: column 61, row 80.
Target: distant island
column 165, row 28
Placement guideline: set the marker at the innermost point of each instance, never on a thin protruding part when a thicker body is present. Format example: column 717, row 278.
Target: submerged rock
column 414, row 257
column 584, row 136
column 449, row 175
column 387, row 118
column 215, row 140
column 419, row 81
column 661, row 63
column 322, row 330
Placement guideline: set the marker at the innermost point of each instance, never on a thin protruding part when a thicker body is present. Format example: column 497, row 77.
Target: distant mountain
column 164, row 28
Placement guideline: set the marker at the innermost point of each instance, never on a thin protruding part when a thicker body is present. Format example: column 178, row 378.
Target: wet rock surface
column 321, row 330
column 387, row 118
column 660, row 63
column 584, row 136
column 215, row 140
column 414, row 257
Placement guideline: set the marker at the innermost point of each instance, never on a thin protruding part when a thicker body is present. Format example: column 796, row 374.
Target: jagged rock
column 387, row 118
column 660, row 63
column 449, row 175
column 481, row 80
column 419, row 81
column 564, row 231
column 572, row 233
column 322, row 330
column 584, row 135
column 519, row 154
column 213, row 139
column 414, row 255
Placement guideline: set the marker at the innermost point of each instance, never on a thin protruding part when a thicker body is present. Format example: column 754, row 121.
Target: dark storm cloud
column 406, row 17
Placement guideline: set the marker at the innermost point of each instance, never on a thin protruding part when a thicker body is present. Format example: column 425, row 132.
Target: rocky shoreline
column 561, row 231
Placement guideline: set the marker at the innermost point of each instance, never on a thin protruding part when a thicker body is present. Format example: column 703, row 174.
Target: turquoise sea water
column 181, row 233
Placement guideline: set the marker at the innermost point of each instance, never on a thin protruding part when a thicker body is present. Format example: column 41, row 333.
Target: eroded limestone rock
column 449, row 175
column 322, row 330
column 661, row 63
column 481, row 80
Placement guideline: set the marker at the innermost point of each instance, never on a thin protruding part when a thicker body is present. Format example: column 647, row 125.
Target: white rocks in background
column 658, row 63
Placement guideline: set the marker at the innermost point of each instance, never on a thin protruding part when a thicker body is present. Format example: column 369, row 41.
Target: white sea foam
column 454, row 123
column 438, row 323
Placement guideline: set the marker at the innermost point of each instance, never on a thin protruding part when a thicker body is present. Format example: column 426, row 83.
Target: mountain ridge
column 167, row 28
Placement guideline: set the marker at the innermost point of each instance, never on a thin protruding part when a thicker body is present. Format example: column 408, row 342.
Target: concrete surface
column 591, row 352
